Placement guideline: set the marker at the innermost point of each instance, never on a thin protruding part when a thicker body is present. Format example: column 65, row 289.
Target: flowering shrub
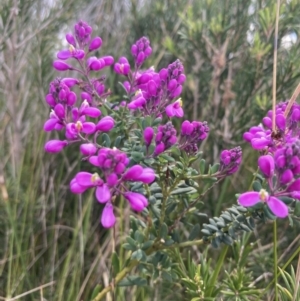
column 138, row 154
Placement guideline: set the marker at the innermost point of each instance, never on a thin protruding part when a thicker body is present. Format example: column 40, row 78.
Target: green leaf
column 133, row 280
column 139, row 236
column 164, row 231
column 118, row 141
column 202, row 166
column 195, row 232
column 96, row 291
column 286, row 200
column 137, row 156
column 213, row 169
column 105, row 140
column 138, row 255
column 256, row 186
column 166, row 276
column 297, row 209
column 146, row 245
column 129, row 247
column 115, row 262
column 183, row 190
column 131, row 241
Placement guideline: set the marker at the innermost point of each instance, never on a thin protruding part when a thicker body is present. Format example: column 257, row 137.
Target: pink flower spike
column 278, row 208
column 266, row 165
column 55, row 146
column 249, row 199
column 61, row 66
column 133, row 173
column 103, row 194
column 108, row 218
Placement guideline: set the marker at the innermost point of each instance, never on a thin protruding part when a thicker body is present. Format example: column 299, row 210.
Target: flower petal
column 249, row 199
column 84, row 179
column 108, row 218
column 278, row 208
column 103, row 194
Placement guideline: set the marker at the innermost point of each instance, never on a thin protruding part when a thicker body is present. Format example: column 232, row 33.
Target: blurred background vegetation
column 51, row 244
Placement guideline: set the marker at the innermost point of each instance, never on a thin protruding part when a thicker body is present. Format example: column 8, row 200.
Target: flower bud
column 95, row 44
column 148, row 135
column 108, row 218
column 55, row 146
column 88, row 149
column 61, row 66
column 105, row 124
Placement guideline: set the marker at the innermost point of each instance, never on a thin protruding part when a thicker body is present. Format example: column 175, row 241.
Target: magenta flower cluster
column 280, row 159
column 79, row 125
column 192, row 134
column 153, row 92
column 114, row 166
column 230, row 161
column 75, row 102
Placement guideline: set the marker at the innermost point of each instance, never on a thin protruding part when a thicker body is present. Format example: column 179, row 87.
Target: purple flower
column 147, row 176
column 86, row 109
column 105, row 124
column 88, row 180
column 82, row 33
column 61, row 66
column 72, row 52
column 266, row 165
column 166, row 134
column 95, row 44
column 148, row 135
column 55, row 146
column 251, row 198
column 138, row 173
column 186, row 128
column 108, row 218
column 141, row 50
column 88, row 149
column 137, row 201
column 175, row 109
column 192, row 134
column 122, row 67
column 230, row 161
column 73, row 129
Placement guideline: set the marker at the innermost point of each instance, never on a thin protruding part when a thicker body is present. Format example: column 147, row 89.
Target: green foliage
column 49, row 237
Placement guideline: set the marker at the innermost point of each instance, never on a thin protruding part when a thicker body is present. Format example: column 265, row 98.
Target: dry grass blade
column 297, row 280
column 292, row 100
column 29, row 292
